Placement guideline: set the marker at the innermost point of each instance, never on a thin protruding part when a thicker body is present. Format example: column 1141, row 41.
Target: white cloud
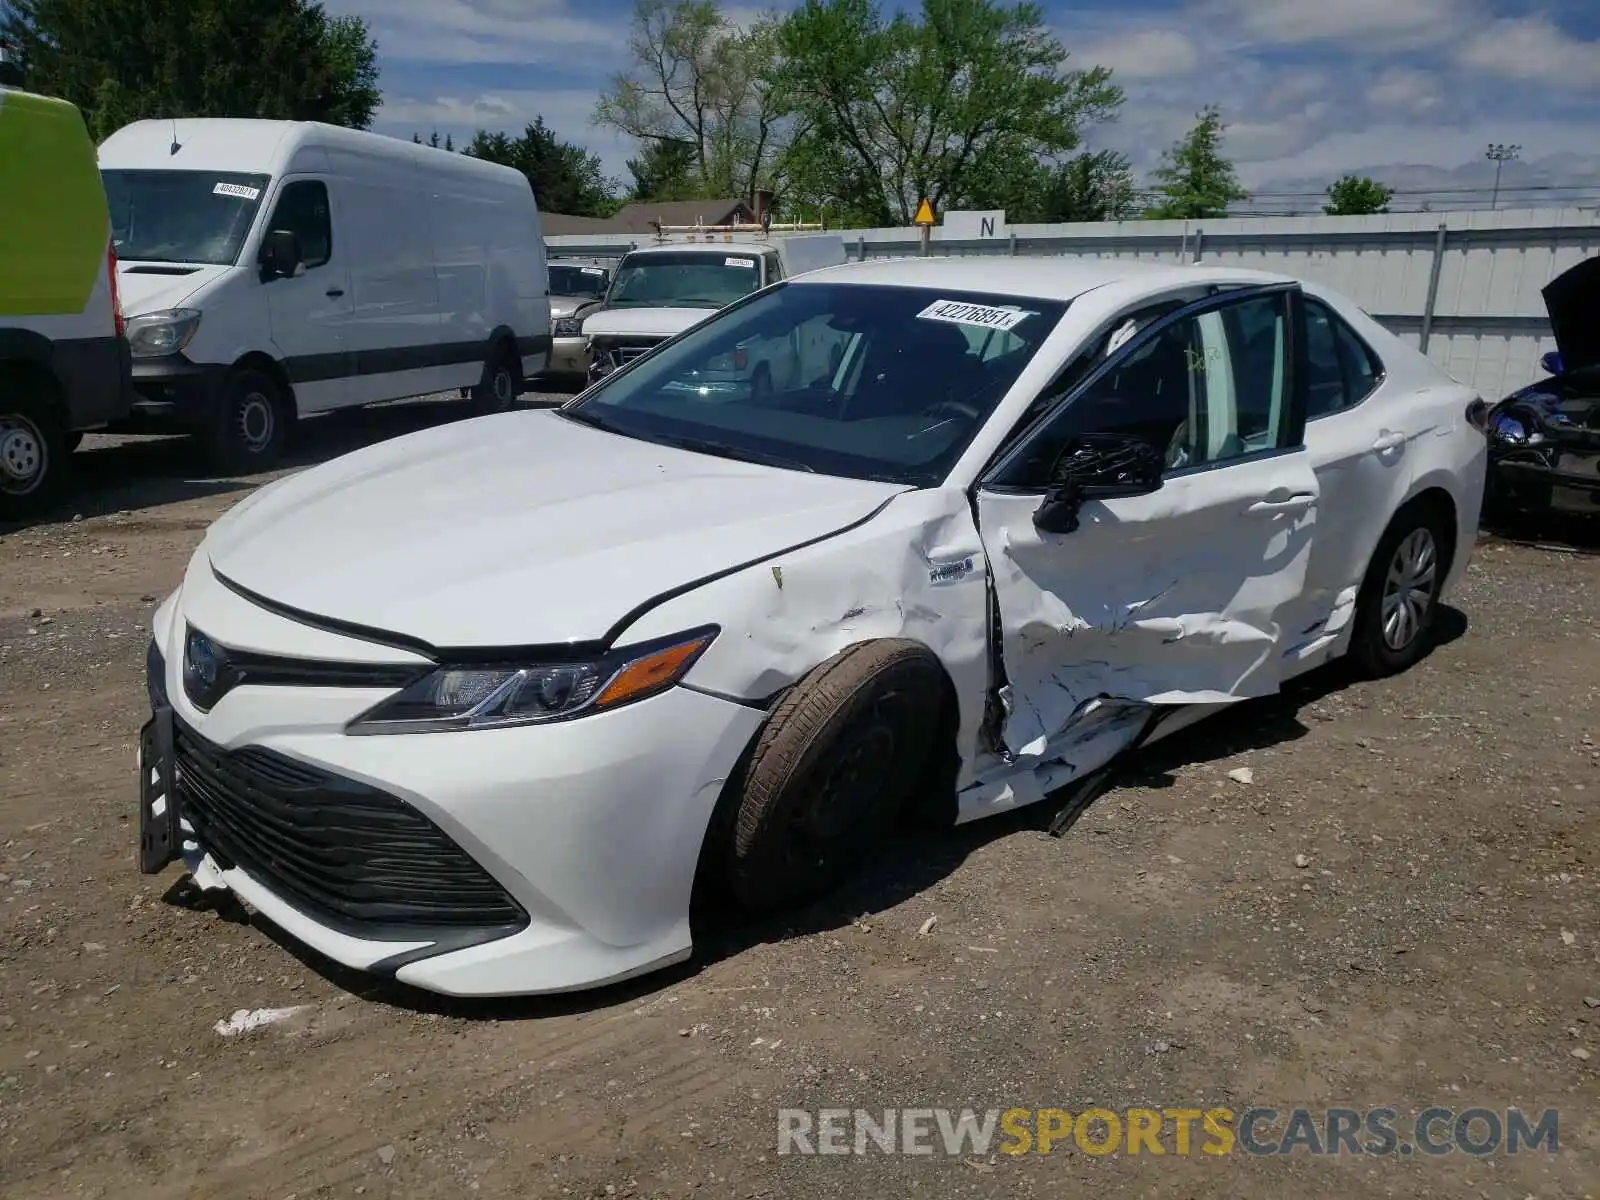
column 1533, row 48
column 568, row 112
column 486, row 31
column 1403, row 91
column 1376, row 26
column 1142, row 54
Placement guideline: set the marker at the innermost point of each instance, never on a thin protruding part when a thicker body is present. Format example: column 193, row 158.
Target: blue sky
column 1310, row 88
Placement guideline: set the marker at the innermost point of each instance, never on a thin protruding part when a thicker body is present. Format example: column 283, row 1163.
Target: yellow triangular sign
column 924, row 214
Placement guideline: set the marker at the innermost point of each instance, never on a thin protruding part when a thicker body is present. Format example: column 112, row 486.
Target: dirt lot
column 1440, row 945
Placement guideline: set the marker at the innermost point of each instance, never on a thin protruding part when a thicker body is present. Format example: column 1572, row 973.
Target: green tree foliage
column 566, row 178
column 1089, row 186
column 664, row 169
column 124, row 60
column 1196, row 181
column 957, row 104
column 698, row 81
column 1357, row 196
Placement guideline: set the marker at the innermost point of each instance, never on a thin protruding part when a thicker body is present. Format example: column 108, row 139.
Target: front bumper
column 592, row 827
column 172, row 393
column 569, row 356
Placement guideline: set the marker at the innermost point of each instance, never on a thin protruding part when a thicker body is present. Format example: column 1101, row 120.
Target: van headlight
column 157, row 334
column 566, row 327
column 452, row 699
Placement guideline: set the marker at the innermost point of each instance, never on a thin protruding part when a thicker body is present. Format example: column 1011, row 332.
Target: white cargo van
column 659, row 291
column 271, row 269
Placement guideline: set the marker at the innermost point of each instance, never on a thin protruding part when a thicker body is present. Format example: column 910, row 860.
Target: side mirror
column 280, row 254
column 1551, row 362
column 1097, row 466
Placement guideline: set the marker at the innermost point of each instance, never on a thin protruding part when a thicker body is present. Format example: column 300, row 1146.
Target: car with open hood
column 1544, row 439
column 485, row 707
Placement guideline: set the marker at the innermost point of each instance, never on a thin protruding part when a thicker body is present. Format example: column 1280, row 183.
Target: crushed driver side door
column 1165, row 587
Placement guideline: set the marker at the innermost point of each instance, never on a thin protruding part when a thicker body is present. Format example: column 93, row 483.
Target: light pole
column 1499, row 154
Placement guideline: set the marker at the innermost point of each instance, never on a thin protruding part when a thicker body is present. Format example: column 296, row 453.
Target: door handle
column 1387, row 441
column 1283, row 502
column 335, row 292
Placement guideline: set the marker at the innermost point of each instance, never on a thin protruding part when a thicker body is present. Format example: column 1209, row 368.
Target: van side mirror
column 280, row 254
column 1552, row 363
column 1097, row 466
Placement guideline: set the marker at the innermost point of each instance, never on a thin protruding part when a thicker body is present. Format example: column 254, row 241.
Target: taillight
column 1478, row 414
column 116, row 294
column 741, row 360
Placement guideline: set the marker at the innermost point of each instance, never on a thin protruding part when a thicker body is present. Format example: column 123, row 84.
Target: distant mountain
column 1554, row 181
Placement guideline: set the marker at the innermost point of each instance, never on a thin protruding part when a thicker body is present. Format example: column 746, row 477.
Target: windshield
column 691, row 279
column 577, row 281
column 182, row 216
column 864, row 381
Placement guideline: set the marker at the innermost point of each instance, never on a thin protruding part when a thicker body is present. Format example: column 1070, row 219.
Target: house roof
column 640, row 217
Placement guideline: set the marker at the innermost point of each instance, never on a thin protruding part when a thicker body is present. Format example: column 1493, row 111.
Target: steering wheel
column 960, row 407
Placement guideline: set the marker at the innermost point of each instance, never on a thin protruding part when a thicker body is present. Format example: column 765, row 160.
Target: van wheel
column 497, row 391
column 33, row 445
column 1399, row 601
column 252, row 425
column 830, row 773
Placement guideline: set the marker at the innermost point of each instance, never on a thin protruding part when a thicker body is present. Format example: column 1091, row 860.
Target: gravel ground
column 1399, row 909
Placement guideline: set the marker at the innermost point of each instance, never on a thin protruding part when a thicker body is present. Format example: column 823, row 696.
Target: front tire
column 1399, row 601
column 832, row 770
column 33, row 445
column 252, row 426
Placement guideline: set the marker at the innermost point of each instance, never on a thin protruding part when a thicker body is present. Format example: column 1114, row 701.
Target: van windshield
column 182, row 216
column 687, row 279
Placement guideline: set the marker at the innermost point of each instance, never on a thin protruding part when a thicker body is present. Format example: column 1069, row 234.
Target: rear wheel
column 252, row 424
column 1399, row 601
column 831, row 771
column 497, row 391
column 33, row 445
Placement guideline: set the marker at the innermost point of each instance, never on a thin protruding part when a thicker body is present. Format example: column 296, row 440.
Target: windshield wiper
column 584, row 417
column 740, row 453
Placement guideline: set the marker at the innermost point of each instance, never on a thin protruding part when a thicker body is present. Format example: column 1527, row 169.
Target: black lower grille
column 619, row 353
column 350, row 855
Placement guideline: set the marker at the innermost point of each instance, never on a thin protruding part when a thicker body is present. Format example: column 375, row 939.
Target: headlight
column 497, row 697
column 567, row 327
column 159, row 333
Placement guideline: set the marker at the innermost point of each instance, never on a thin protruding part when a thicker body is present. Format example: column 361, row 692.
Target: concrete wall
column 1464, row 286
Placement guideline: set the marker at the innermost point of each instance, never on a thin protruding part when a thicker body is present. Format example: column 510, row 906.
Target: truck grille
column 348, row 854
column 618, row 352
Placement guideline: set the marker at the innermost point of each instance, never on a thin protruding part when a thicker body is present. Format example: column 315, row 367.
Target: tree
column 957, row 104
column 1357, row 196
column 1197, row 181
column 699, row 82
column 566, row 178
column 663, row 170
column 124, row 60
column 1094, row 186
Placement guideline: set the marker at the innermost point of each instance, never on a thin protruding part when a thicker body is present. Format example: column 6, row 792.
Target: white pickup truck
column 659, row 291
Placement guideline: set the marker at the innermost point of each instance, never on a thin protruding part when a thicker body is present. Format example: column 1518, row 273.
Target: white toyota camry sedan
column 482, row 707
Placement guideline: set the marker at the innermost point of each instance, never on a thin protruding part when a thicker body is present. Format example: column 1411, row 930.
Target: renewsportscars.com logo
column 1378, row 1132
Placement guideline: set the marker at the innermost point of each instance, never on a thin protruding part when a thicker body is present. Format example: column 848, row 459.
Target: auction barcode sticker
column 236, row 189
column 738, row 262
column 958, row 312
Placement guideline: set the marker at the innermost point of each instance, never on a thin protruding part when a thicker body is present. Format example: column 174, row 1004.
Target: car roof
column 1036, row 278
column 705, row 247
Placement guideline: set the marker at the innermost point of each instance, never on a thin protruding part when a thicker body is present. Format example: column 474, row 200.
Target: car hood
column 1573, row 301
column 652, row 322
column 519, row 529
column 151, row 287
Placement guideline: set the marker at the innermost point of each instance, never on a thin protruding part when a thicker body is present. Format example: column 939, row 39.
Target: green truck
column 64, row 361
